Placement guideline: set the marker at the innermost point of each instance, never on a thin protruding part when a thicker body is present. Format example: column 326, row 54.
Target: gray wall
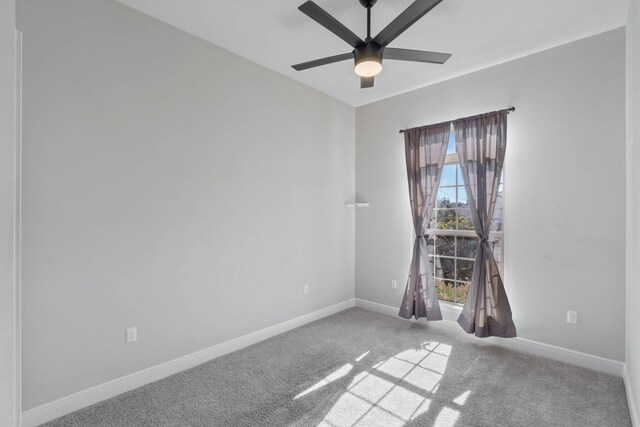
column 9, row 406
column 565, row 188
column 168, row 185
column 633, row 204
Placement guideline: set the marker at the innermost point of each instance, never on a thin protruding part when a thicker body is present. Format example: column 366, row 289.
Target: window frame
column 453, row 159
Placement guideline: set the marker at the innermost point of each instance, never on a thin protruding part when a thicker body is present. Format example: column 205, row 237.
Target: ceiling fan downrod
column 368, row 4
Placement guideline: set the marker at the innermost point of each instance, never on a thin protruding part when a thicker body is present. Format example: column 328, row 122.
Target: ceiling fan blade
column 415, row 55
column 415, row 11
column 366, row 82
column 319, row 15
column 323, row 61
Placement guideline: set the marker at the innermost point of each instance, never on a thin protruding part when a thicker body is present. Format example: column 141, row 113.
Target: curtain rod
column 508, row 110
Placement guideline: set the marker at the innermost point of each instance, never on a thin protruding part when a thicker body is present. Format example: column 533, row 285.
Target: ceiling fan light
column 368, row 59
column 368, row 68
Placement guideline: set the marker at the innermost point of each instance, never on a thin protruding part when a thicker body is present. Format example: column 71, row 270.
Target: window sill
column 450, row 310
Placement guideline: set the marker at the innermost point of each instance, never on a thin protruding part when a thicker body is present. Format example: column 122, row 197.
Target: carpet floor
column 359, row 368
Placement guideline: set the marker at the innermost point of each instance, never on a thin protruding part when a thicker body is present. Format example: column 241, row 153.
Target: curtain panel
column 425, row 151
column 481, row 143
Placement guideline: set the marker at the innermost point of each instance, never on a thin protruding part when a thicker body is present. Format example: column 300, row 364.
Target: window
column 451, row 232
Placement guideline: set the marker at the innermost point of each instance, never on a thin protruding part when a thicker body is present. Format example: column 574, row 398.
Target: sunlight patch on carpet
column 394, row 391
column 341, row 372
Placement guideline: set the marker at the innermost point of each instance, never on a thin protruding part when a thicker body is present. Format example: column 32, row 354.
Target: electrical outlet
column 132, row 335
column 572, row 317
column 306, row 289
column 394, row 284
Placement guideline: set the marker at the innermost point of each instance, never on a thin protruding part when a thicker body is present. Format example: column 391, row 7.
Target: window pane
column 445, row 245
column 465, row 270
column 460, row 179
column 464, row 219
column 437, row 268
column 462, row 197
column 466, row 247
column 448, row 176
column 462, row 290
column 446, row 219
column 451, row 146
column 446, row 197
column 446, row 290
column 445, row 268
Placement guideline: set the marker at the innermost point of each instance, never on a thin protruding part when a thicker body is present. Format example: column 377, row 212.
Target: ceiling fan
column 368, row 53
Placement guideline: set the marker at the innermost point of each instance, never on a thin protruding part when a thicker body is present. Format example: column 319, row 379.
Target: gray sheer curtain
column 425, row 150
column 481, row 143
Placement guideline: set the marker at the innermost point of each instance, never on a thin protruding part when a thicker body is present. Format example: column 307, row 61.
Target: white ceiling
column 479, row 33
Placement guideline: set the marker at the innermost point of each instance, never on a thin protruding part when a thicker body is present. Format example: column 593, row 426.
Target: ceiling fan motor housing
column 371, row 51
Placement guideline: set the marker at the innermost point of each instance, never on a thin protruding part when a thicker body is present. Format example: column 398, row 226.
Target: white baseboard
column 450, row 314
column 82, row 399
column 631, row 399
